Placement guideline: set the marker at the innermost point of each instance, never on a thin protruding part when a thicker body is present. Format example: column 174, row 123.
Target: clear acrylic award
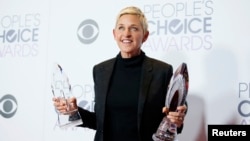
column 176, row 96
column 61, row 89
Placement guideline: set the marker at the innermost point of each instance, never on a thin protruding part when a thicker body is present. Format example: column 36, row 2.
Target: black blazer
column 155, row 78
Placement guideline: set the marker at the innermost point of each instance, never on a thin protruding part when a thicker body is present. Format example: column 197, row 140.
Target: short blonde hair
column 132, row 10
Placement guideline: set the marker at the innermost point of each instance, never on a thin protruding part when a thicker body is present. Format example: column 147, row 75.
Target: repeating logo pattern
column 8, row 106
column 88, row 31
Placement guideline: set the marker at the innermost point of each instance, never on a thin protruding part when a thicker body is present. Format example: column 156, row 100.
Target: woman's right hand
column 65, row 106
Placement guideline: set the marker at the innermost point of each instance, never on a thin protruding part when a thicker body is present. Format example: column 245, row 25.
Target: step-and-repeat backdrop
column 212, row 37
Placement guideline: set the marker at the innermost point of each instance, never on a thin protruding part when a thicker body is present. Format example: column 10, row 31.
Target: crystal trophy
column 176, row 96
column 61, row 89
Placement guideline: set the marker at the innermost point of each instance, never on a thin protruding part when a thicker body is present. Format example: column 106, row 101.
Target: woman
column 130, row 89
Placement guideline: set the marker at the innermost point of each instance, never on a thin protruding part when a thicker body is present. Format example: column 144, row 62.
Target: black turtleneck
column 122, row 100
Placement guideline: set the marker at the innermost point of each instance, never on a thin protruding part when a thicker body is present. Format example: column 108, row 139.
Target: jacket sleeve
column 88, row 118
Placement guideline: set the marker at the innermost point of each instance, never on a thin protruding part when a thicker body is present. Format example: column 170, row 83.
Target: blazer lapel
column 105, row 75
column 146, row 77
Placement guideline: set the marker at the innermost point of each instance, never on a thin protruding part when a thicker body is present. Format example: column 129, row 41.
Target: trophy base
column 66, row 121
column 70, row 124
column 163, row 137
column 166, row 131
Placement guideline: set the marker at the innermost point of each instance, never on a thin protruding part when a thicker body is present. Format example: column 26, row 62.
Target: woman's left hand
column 178, row 116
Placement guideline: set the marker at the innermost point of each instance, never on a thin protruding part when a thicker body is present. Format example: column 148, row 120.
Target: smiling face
column 129, row 35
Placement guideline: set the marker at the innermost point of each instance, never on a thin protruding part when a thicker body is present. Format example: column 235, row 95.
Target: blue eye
column 120, row 27
column 134, row 29
column 88, row 31
column 8, row 106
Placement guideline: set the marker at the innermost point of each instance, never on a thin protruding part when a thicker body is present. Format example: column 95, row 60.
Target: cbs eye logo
column 8, row 106
column 88, row 31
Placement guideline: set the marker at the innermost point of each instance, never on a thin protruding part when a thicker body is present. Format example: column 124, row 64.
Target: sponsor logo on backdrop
column 179, row 25
column 87, row 31
column 244, row 104
column 8, row 106
column 19, row 35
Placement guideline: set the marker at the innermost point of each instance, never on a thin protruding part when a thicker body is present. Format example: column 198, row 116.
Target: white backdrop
column 212, row 37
